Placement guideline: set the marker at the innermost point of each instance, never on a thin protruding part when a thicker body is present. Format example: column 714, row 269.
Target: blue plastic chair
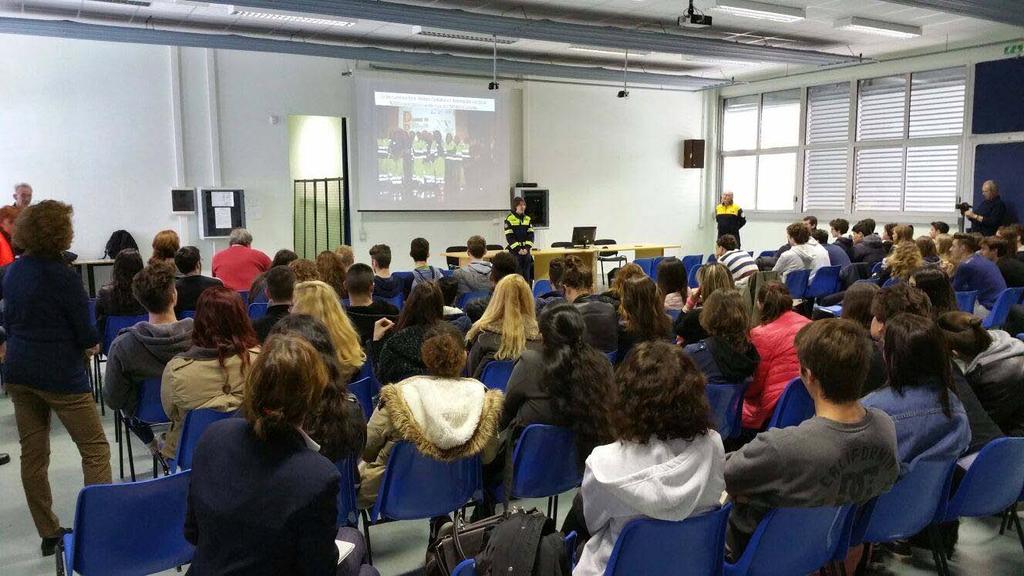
column 1020, row 336
column 244, row 294
column 674, row 314
column 826, row 281
column 727, row 406
column 836, row 311
column 365, row 390
column 149, row 410
column 792, row 541
column 406, row 278
column 891, row 281
column 712, row 259
column 396, row 301
column 465, row 568
column 117, row 323
column 544, row 464
column 648, row 547
column 965, row 301
column 1001, row 309
column 876, row 268
column 541, row 287
column 613, row 357
column 692, row 261
column 992, row 484
column 258, row 310
column 187, row 314
column 766, row 254
column 648, row 265
column 196, row 422
column 446, row 273
column 794, row 406
column 348, row 513
column 468, row 297
column 128, row 529
column 496, row 374
column 796, row 282
column 691, row 276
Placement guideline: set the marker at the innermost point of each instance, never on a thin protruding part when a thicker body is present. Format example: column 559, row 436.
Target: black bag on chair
column 119, row 240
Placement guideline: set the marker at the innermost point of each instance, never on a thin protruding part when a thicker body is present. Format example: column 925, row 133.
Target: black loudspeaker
column 693, row 153
column 537, row 206
column 183, row 201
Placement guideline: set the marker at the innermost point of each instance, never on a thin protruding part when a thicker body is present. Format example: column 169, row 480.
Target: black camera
column 963, row 207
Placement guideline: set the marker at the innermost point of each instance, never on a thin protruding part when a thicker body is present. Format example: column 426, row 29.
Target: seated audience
column 1011, row 233
column 507, row 328
column 239, row 264
column 446, row 416
column 599, row 311
column 867, row 246
column 8, row 216
column 331, row 271
column 319, row 300
column 258, row 289
column 642, row 317
column 671, row 275
column 935, row 284
column 975, row 272
column 666, row 461
column 938, row 228
column 115, row 298
column 385, row 285
column 165, row 246
column 845, row 454
column 928, row 250
column 556, row 268
column 622, row 275
column 993, row 362
column 930, row 421
column 395, row 346
column 280, row 289
column 857, row 301
column 142, row 351
column 304, row 270
column 803, row 255
column 726, row 356
column 775, row 341
column 838, row 228
column 888, row 235
column 255, row 480
column 739, row 262
column 944, row 246
column 502, row 264
column 902, row 262
column 191, row 282
column 997, row 250
column 902, row 233
column 887, row 303
column 419, row 251
column 348, row 257
column 454, row 315
column 710, row 279
column 475, row 276
column 363, row 310
column 836, row 255
column 211, row 374
column 810, row 223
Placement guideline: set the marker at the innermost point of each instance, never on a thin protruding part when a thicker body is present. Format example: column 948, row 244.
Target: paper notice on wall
column 222, row 218
column 222, row 199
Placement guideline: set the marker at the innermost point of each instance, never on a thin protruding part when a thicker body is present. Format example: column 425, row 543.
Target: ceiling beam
column 548, row 30
column 1005, row 11
column 417, row 60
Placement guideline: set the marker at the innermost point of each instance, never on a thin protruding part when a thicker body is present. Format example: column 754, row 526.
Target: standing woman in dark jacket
column 726, row 356
column 115, row 298
column 396, row 346
column 49, row 338
column 642, row 316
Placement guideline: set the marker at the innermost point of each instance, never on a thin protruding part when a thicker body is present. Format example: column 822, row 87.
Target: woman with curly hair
column 902, row 262
column 332, row 271
column 48, row 335
column 165, row 246
column 115, row 298
column 726, row 356
column 507, row 328
column 667, row 461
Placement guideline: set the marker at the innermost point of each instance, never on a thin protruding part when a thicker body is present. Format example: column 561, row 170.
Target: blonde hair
column 511, row 314
column 348, row 258
column 943, row 244
column 320, row 301
column 905, row 260
column 713, row 277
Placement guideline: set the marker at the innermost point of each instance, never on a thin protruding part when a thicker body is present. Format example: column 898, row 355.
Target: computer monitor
column 583, row 235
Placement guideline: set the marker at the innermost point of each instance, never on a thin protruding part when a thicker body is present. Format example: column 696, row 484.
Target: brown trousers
column 81, row 418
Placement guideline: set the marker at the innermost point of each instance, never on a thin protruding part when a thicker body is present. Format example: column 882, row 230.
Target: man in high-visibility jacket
column 519, row 238
column 729, row 217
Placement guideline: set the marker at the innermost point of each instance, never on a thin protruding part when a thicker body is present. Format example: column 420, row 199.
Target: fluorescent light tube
column 760, row 10
column 608, row 50
column 293, row 18
column 890, row 29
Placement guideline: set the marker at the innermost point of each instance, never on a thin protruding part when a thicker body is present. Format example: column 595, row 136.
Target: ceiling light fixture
column 608, row 50
column 293, row 18
column 466, row 36
column 890, row 29
column 760, row 10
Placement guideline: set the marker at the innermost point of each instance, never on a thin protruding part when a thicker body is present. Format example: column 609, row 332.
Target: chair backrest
column 415, row 486
column 465, row 568
column 92, row 311
column 908, row 508
column 468, row 297
column 826, row 281
column 606, row 242
column 396, row 301
column 835, row 310
column 149, row 408
column 561, row 244
column 876, row 268
column 766, row 254
column 541, row 287
column 406, row 278
column 965, row 301
column 992, row 483
column 794, row 406
column 647, row 265
column 692, row 261
column 796, row 282
column 117, row 323
column 691, row 276
column 364, row 391
column 891, row 281
column 648, row 547
column 196, row 422
column 348, row 513
column 187, row 314
column 1001, row 309
column 794, row 541
column 258, row 310
column 495, row 247
column 727, row 406
column 496, row 374
column 131, row 528
column 544, row 462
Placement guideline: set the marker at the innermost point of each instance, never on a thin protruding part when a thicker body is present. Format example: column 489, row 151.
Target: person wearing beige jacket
column 212, row 373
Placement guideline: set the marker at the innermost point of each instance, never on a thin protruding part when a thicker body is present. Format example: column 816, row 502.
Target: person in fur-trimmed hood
column 445, row 416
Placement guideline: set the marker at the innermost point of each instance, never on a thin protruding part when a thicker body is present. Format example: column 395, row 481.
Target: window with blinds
column 825, row 168
column 881, row 108
column 828, row 113
column 937, row 103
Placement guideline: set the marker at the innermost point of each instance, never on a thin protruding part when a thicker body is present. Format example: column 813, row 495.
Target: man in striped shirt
column 740, row 264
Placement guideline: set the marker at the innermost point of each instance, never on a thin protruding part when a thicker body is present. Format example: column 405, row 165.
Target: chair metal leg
column 366, row 536
column 120, row 445
column 554, row 513
column 1004, row 521
column 59, row 558
column 1015, row 519
column 131, row 457
column 938, row 552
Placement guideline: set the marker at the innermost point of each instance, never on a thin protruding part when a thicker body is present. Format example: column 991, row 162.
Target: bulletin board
column 223, row 210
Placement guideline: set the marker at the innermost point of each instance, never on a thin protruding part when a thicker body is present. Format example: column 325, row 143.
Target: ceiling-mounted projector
column 694, row 20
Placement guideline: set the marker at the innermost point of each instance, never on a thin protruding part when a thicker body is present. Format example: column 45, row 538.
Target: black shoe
column 4, row 458
column 49, row 545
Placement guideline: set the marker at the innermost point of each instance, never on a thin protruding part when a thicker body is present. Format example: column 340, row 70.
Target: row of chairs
column 965, row 302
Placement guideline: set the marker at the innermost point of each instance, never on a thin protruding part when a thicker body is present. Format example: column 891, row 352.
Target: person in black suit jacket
column 280, row 289
column 262, row 500
column 191, row 283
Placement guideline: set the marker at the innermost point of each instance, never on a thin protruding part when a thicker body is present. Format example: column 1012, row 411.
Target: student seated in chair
column 280, row 289
column 115, row 298
column 726, row 356
column 475, row 276
column 502, row 265
column 845, row 454
column 419, row 251
column 395, row 346
column 507, row 328
column 556, row 269
column 142, row 351
column 320, row 301
column 385, row 285
column 599, row 311
column 975, row 272
column 191, row 283
column 456, row 316
column 362, row 309
column 445, row 416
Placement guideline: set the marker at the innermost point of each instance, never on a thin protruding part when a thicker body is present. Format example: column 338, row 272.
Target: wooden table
column 542, row 257
column 89, row 266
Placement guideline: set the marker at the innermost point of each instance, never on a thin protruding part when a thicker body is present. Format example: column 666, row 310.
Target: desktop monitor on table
column 583, row 235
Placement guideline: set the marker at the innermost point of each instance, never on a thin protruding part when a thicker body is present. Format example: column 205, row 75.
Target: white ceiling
column 816, row 32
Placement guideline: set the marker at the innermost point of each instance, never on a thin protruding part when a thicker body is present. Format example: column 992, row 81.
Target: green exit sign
column 1014, row 49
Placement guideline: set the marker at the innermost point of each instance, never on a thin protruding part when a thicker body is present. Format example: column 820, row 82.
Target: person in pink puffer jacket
column 774, row 340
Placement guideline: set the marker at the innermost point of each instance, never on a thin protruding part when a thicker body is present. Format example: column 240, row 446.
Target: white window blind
column 825, row 179
column 931, row 178
column 739, row 123
column 878, row 182
column 937, row 102
column 828, row 113
column 881, row 108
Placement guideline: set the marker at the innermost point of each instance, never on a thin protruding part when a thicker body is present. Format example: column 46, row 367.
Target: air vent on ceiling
column 466, row 36
column 139, row 3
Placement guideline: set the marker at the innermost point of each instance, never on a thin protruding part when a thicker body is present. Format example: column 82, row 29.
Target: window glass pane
column 825, row 179
column 828, row 113
column 739, row 123
column 738, row 176
column 880, row 109
column 780, row 119
column 937, row 102
column 931, row 178
column 879, row 179
column 776, row 181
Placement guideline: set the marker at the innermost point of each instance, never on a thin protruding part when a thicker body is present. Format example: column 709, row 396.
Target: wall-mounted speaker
column 693, row 153
column 537, row 206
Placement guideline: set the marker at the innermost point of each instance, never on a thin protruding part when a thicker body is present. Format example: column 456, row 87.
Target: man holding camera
column 990, row 214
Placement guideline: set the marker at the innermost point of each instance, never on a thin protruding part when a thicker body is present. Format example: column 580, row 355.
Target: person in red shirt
column 8, row 214
column 239, row 264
